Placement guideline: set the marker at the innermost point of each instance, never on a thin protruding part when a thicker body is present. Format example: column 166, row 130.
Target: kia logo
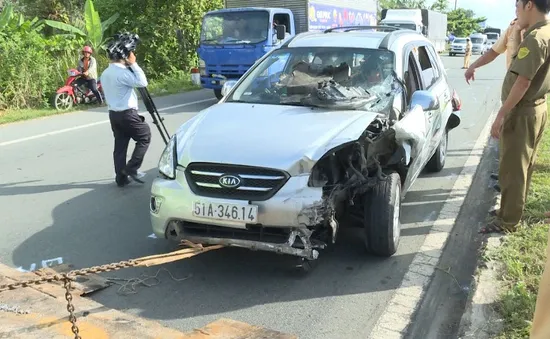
column 230, row 181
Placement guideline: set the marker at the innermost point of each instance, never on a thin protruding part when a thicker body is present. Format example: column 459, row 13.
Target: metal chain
column 67, row 279
column 70, row 307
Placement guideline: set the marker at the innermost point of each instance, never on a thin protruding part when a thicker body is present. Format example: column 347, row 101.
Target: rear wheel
column 382, row 214
column 62, row 101
column 218, row 94
column 437, row 161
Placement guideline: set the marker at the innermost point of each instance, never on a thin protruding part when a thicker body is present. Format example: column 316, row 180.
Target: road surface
column 59, row 204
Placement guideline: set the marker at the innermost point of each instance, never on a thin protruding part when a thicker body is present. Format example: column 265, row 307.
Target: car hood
column 290, row 138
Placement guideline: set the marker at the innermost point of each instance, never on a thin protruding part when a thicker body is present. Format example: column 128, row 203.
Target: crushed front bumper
column 283, row 221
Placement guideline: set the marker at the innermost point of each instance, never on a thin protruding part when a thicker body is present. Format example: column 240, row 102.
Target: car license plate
column 228, row 212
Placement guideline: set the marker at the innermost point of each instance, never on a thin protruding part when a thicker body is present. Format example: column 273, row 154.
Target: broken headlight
column 168, row 159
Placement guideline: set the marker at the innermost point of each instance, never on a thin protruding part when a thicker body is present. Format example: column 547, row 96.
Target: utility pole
column 455, row 4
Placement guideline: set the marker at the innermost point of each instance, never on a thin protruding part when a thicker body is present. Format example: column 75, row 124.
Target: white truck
column 432, row 24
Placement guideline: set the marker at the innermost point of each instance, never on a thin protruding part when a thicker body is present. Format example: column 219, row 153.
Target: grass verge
column 523, row 254
column 174, row 83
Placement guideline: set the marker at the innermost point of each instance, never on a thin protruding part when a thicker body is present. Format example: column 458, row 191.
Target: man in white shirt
column 118, row 83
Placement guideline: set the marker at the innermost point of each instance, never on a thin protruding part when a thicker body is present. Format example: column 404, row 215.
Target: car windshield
column 492, row 36
column 242, row 27
column 459, row 41
column 336, row 78
column 477, row 40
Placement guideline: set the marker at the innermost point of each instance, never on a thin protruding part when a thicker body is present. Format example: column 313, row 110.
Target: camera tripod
column 152, row 109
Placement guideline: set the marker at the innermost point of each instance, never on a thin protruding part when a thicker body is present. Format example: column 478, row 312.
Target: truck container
column 432, row 24
column 233, row 38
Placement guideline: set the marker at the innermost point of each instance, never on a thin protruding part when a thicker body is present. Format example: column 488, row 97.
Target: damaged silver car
column 328, row 131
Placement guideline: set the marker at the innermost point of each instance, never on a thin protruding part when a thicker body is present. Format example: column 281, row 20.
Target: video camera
column 119, row 49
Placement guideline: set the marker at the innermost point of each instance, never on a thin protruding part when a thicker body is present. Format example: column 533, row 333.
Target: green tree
column 440, row 6
column 157, row 22
column 92, row 29
column 394, row 4
column 463, row 22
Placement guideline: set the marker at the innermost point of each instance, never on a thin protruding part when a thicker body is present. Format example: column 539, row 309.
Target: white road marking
column 152, row 236
column 38, row 136
column 400, row 310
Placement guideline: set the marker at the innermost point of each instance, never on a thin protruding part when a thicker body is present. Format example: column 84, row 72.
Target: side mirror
column 424, row 30
column 228, row 86
column 425, row 99
column 281, row 29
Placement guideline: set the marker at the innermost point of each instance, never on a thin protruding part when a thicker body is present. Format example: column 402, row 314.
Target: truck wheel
column 437, row 161
column 218, row 94
column 382, row 214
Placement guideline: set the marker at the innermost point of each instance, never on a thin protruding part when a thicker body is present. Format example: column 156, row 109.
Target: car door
column 413, row 82
column 434, row 82
column 444, row 87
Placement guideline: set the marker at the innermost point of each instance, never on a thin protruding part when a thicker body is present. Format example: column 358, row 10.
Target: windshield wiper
column 293, row 103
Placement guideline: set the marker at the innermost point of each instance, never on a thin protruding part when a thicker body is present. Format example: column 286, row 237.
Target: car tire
column 437, row 161
column 218, row 94
column 382, row 216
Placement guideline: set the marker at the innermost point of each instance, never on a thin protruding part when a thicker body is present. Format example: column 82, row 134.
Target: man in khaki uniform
column 508, row 42
column 522, row 118
column 468, row 54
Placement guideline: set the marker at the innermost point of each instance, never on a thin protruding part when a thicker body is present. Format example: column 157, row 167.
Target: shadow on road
column 108, row 224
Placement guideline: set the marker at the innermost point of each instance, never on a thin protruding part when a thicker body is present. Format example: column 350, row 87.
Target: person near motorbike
column 87, row 65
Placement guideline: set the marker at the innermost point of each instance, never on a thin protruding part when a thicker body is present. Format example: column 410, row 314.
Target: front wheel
column 382, row 216
column 62, row 101
column 218, row 94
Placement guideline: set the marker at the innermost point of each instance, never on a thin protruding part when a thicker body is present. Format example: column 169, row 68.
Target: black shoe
column 122, row 181
column 137, row 177
column 497, row 188
column 494, row 176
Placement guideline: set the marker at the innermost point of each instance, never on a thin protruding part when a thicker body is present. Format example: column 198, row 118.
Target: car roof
column 355, row 38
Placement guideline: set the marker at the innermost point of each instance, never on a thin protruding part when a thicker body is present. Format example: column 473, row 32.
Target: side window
column 412, row 76
column 282, row 19
column 434, row 61
column 426, row 68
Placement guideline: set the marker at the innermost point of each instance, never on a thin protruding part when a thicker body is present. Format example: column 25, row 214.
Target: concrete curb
column 41, row 312
column 480, row 319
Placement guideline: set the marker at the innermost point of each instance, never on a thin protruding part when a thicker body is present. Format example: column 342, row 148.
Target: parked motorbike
column 74, row 94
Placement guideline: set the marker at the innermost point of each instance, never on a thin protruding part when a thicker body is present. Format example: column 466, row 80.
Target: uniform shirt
column 531, row 61
column 509, row 42
column 469, row 47
column 92, row 67
column 118, row 85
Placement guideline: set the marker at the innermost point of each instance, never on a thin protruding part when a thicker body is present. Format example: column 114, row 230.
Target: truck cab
column 231, row 41
column 404, row 19
column 479, row 43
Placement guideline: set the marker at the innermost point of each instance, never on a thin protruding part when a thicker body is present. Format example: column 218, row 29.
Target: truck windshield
column 492, row 36
column 242, row 27
column 403, row 26
column 335, row 78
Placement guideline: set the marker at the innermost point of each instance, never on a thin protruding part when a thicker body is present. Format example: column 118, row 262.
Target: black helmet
column 122, row 44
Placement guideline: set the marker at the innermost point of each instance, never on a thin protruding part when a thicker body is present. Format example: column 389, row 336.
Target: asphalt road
column 59, row 204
